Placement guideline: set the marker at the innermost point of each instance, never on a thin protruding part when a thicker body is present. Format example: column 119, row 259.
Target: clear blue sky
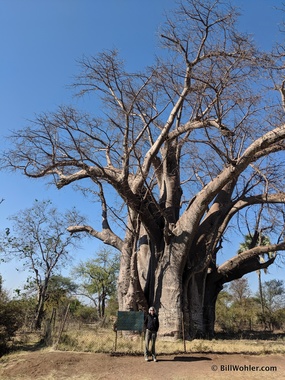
column 40, row 43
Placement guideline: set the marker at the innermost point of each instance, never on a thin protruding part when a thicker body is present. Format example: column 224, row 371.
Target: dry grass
column 236, row 346
column 103, row 341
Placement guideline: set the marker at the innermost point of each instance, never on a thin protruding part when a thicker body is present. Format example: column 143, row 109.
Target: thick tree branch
column 152, row 152
column 248, row 201
column 207, row 194
column 240, row 261
column 106, row 235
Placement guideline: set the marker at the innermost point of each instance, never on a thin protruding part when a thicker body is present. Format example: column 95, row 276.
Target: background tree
column 99, row 279
column 189, row 146
column 60, row 294
column 82, row 313
column 274, row 304
column 243, row 312
column 59, row 290
column 251, row 241
column 223, row 311
column 40, row 241
column 237, row 311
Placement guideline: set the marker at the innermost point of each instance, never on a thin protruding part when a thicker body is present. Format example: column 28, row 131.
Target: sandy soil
column 57, row 365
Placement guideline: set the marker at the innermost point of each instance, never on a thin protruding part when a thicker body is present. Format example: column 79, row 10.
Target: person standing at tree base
column 151, row 324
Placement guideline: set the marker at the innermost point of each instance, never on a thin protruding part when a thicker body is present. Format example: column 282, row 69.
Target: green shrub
column 11, row 319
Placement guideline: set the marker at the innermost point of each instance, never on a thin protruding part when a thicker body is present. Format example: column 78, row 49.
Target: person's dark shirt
column 151, row 322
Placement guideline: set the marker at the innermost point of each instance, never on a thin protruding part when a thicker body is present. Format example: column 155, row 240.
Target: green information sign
column 130, row 320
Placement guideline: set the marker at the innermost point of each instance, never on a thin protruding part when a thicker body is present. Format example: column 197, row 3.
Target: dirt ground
column 57, row 365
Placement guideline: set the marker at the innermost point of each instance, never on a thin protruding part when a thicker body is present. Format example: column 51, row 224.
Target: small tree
column 236, row 309
column 99, row 278
column 241, row 305
column 40, row 241
column 274, row 303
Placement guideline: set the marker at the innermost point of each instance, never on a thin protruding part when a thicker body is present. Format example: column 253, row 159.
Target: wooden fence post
column 62, row 326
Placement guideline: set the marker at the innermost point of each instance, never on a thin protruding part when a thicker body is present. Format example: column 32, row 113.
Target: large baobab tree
column 187, row 145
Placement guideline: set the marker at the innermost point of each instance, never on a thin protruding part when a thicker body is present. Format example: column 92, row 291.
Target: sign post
column 129, row 321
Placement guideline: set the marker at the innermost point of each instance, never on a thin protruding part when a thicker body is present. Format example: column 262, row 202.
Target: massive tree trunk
column 168, row 294
column 196, row 305
column 212, row 290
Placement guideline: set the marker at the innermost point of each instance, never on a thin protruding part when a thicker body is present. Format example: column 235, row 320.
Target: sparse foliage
column 274, row 304
column 99, row 279
column 42, row 245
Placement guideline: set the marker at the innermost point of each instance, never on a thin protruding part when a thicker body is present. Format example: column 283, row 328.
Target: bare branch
column 106, row 236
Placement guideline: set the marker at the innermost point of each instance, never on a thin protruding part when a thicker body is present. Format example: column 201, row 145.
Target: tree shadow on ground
column 184, row 359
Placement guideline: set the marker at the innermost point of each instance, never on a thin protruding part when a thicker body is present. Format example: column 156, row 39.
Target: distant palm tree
column 251, row 241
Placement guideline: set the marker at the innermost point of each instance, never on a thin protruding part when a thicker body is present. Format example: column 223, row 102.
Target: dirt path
column 55, row 365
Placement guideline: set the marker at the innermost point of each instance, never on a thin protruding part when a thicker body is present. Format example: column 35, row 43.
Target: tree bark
column 168, row 294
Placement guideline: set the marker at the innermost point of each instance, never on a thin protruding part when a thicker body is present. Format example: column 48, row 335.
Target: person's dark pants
column 150, row 336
